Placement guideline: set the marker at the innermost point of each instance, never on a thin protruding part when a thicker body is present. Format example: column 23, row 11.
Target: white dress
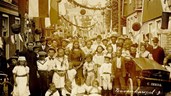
column 21, row 79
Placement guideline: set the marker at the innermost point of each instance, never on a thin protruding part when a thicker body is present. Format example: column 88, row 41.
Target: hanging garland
column 83, row 6
column 77, row 25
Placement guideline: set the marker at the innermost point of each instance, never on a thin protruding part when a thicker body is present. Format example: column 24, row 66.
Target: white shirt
column 61, row 63
column 51, row 63
column 106, row 68
column 87, row 50
column 118, row 62
column 98, row 59
column 54, row 94
column 114, row 47
column 78, row 89
column 42, row 65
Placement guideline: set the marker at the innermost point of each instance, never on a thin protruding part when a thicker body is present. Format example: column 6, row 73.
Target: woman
column 76, row 58
column 144, row 53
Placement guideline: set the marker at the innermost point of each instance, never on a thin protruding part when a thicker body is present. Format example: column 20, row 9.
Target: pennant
column 43, row 8
column 1, row 43
column 54, row 13
column 12, row 39
column 33, row 8
column 19, row 35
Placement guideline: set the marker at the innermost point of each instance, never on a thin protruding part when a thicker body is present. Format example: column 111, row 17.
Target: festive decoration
column 136, row 26
column 82, row 11
column 83, row 6
column 78, row 25
column 16, row 28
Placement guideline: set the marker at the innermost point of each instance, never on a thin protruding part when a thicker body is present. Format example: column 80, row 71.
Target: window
column 158, row 24
column 5, row 32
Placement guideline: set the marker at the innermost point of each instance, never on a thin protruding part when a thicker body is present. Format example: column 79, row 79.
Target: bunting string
column 87, row 7
column 78, row 25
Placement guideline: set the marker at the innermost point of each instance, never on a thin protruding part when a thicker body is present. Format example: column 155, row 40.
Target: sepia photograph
column 85, row 47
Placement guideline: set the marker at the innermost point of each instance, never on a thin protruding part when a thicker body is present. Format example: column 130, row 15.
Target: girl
column 21, row 78
column 98, row 59
column 76, row 57
column 88, row 69
column 95, row 89
column 60, row 70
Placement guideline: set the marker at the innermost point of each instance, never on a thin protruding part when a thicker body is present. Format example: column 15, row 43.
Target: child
column 98, row 59
column 52, row 91
column 70, row 76
column 21, row 78
column 60, row 69
column 43, row 72
column 105, row 73
column 12, row 63
column 88, row 70
column 79, row 88
column 95, row 89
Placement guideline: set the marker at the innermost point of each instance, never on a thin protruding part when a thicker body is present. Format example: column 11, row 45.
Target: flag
column 54, row 12
column 22, row 6
column 33, row 8
column 39, row 8
column 43, row 8
column 12, row 39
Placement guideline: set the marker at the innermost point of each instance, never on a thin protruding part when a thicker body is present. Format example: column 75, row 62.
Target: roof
column 146, row 64
column 151, row 9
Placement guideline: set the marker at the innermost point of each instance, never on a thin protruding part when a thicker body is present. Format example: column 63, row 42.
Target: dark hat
column 155, row 40
column 42, row 53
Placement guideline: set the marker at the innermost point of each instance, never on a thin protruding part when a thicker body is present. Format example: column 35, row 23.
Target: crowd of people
column 76, row 66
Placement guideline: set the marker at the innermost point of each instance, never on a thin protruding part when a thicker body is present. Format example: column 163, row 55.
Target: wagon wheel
column 130, row 87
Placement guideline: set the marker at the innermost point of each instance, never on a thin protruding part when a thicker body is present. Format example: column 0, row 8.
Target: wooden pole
column 119, row 17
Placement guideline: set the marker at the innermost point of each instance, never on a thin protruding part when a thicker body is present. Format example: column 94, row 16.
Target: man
column 157, row 52
column 119, row 71
column 31, row 58
column 44, row 46
column 113, row 40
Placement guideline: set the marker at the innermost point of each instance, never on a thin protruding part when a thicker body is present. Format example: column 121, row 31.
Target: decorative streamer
column 77, row 25
column 83, row 6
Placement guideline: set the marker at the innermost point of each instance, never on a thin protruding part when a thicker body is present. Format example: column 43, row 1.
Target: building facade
column 8, row 16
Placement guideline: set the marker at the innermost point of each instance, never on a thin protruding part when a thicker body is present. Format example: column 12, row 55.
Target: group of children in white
column 87, row 71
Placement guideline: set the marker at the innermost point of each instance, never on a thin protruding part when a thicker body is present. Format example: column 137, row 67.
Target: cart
column 147, row 78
